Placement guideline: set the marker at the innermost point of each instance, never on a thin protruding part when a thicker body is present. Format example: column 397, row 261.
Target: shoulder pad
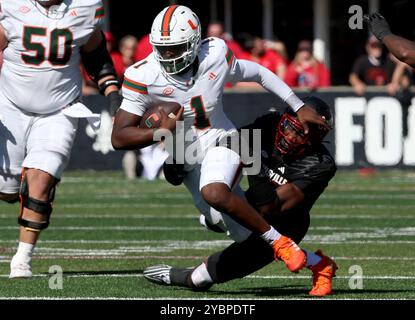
column 215, row 48
column 7, row 6
column 208, row 40
column 214, row 42
column 143, row 71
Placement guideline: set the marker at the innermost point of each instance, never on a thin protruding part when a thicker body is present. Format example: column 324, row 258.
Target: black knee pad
column 39, row 206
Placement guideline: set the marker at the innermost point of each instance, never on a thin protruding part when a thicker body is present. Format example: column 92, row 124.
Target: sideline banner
column 375, row 129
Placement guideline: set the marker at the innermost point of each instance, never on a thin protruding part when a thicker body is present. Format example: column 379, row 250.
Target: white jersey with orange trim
column 145, row 85
column 201, row 94
column 41, row 68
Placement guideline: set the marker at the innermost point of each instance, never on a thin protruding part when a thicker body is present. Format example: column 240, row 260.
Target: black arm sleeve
column 98, row 64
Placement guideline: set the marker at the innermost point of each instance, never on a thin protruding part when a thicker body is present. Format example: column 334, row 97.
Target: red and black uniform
column 310, row 172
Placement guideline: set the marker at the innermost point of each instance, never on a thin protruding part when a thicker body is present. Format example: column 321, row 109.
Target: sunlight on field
column 105, row 230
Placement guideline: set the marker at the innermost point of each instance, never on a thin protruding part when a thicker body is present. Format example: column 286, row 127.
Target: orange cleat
column 287, row 250
column 323, row 273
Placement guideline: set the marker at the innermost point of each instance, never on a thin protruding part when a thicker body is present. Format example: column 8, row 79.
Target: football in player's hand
column 151, row 118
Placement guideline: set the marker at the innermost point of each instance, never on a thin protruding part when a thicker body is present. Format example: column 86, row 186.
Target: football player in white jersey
column 192, row 72
column 40, row 87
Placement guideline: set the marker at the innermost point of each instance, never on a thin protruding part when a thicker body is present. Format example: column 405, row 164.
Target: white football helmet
column 176, row 38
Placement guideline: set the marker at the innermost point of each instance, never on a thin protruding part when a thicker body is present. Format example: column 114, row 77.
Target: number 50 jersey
column 200, row 93
column 41, row 68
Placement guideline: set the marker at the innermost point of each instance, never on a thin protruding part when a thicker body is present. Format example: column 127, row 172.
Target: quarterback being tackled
column 192, row 72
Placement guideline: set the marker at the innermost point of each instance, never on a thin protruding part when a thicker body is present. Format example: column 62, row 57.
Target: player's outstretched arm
column 249, row 71
column 401, row 48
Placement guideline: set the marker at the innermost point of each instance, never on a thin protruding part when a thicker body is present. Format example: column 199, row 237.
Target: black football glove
column 115, row 100
column 377, row 25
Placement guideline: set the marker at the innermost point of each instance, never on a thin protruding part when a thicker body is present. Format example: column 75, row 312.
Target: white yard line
column 192, row 208
column 81, row 216
column 195, row 216
column 187, row 299
column 174, row 228
column 75, row 254
column 141, row 195
column 365, row 206
column 139, row 275
column 361, row 216
column 364, row 196
column 223, row 242
column 339, row 234
column 151, row 242
column 115, row 228
column 125, row 205
column 73, row 257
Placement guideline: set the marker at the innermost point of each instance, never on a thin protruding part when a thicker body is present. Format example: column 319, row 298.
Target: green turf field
column 105, row 230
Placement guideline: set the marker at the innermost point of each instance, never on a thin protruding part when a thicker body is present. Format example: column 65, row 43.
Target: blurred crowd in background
column 374, row 68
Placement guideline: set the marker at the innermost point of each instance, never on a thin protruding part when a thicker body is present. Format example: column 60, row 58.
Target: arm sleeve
column 248, row 71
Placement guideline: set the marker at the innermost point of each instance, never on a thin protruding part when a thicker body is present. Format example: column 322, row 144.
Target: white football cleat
column 159, row 274
column 20, row 267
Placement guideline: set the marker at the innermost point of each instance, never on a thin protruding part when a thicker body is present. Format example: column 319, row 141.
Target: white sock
column 271, row 235
column 25, row 249
column 312, row 258
column 200, row 276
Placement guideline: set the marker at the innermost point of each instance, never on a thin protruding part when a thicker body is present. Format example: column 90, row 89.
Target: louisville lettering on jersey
column 275, row 177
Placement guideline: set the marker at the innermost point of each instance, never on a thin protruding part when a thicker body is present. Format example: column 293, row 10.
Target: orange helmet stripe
column 191, row 24
column 165, row 30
